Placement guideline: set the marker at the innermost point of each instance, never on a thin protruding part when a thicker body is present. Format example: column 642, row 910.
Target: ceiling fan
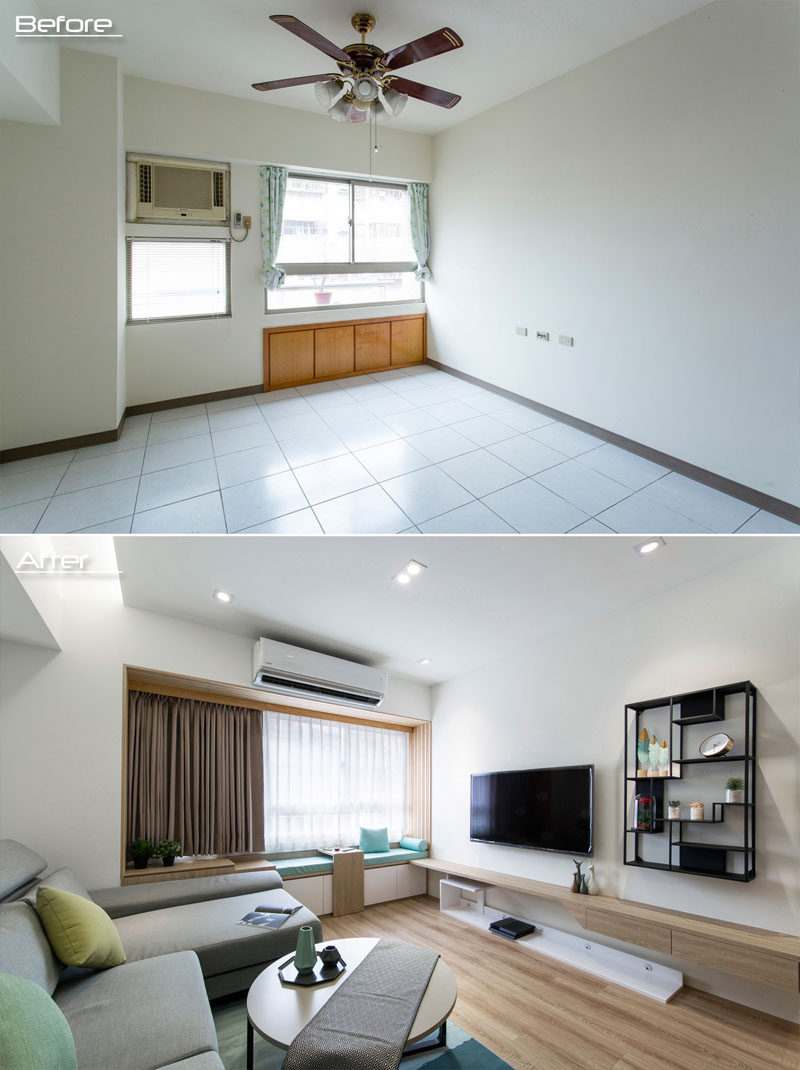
column 366, row 71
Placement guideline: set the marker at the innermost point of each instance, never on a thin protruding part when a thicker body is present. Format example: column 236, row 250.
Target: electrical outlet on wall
column 248, row 222
column 522, row 332
column 237, row 221
column 566, row 340
column 543, row 336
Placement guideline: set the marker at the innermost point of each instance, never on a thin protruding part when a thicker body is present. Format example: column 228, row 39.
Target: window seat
column 309, row 864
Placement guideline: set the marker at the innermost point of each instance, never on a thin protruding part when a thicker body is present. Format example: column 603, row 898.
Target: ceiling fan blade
column 433, row 44
column 284, row 83
column 311, row 37
column 440, row 97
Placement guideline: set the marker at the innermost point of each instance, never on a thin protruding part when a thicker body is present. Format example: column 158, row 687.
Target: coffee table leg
column 249, row 1045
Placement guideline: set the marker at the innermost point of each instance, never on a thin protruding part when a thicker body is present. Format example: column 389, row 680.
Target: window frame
column 353, row 266
column 131, row 239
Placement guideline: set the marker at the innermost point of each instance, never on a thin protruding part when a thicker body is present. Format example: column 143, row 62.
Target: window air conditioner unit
column 166, row 189
column 290, row 670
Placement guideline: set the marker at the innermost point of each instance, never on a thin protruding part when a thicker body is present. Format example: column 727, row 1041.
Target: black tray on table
column 320, row 975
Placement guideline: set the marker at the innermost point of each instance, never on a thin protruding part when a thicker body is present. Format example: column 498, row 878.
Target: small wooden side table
column 348, row 882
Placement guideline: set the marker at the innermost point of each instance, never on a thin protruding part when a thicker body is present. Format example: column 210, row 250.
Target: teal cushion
column 34, row 1034
column 413, row 844
column 373, row 840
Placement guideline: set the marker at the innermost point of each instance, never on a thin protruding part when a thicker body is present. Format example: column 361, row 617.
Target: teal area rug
column 462, row 1052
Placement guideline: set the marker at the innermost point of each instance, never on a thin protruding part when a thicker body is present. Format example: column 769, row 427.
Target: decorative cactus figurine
column 643, row 752
column 655, row 750
column 663, row 759
column 591, row 881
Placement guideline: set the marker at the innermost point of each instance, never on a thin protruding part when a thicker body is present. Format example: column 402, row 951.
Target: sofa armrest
column 139, row 898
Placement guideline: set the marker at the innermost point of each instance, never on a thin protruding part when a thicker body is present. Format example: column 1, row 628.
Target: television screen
column 544, row 809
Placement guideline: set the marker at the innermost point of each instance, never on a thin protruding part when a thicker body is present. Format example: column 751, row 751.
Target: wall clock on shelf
column 714, row 746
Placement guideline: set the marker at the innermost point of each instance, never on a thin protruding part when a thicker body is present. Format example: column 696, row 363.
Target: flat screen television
column 542, row 809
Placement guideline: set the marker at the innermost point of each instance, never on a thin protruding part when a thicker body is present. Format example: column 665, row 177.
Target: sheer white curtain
column 324, row 779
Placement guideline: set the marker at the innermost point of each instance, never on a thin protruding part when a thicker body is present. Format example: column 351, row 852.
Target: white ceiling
column 480, row 598
column 509, row 47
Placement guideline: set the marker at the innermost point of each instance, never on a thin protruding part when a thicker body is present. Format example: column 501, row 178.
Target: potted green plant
column 673, row 809
column 166, row 850
column 323, row 296
column 735, row 790
column 141, row 851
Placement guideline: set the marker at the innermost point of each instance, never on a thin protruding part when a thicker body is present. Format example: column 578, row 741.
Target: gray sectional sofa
column 182, row 943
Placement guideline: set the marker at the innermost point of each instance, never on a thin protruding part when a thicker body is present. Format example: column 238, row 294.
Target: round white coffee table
column 278, row 1012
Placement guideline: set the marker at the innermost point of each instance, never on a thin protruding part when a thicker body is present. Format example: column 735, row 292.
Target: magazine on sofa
column 269, row 917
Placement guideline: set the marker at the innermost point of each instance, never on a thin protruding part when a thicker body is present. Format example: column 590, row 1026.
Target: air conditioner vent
column 219, row 189
column 145, row 183
column 305, row 687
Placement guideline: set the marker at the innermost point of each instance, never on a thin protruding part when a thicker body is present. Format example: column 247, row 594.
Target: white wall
column 61, row 715
column 59, row 216
column 168, row 360
column 648, row 204
column 561, row 703
column 29, row 71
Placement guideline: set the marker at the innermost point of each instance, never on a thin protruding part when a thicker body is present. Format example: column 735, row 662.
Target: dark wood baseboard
column 99, row 438
column 59, row 445
column 193, row 399
column 701, row 475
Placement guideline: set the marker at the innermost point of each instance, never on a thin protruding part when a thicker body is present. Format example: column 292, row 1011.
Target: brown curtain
column 195, row 774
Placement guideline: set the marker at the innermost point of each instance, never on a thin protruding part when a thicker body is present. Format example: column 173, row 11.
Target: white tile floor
column 400, row 451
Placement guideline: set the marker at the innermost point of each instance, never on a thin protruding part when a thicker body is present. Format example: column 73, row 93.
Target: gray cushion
column 63, row 879
column 209, row 1060
column 211, row 929
column 141, row 1015
column 136, row 898
column 24, row 948
column 18, row 866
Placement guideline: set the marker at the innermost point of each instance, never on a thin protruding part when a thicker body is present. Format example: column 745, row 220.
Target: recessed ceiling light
column 413, row 568
column 649, row 545
column 222, row 596
column 424, row 661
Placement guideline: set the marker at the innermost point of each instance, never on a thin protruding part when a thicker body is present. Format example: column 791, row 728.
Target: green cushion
column 306, row 866
column 80, row 932
column 34, row 1034
column 372, row 840
column 394, row 854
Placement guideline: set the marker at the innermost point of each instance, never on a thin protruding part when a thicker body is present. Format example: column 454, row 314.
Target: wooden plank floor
column 538, row 1014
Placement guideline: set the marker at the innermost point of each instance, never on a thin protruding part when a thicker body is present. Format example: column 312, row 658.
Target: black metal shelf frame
column 707, row 859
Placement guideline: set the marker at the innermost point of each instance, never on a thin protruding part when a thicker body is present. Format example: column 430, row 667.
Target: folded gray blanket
column 366, row 1022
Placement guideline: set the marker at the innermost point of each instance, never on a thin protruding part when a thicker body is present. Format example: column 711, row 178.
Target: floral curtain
column 273, row 194
column 420, row 230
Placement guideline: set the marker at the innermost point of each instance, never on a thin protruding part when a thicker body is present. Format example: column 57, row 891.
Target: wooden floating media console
column 761, row 955
column 313, row 352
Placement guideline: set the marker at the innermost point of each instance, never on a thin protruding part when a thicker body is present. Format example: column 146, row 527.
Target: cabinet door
column 411, row 880
column 407, row 342
column 308, row 891
column 333, row 352
column 291, row 358
column 380, row 885
column 373, row 346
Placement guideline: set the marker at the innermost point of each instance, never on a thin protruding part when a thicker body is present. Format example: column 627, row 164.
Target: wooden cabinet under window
column 314, row 352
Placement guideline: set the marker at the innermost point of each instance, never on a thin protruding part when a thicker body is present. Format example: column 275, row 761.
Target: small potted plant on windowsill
column 166, row 850
column 141, row 851
column 323, row 296
column 734, row 790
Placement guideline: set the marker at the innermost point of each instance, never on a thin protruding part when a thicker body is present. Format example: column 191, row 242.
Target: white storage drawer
column 411, row 880
column 380, row 885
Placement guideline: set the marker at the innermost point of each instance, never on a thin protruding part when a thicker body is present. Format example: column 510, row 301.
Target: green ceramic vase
column 305, row 956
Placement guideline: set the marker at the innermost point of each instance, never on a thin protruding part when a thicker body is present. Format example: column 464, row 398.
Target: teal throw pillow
column 411, row 843
column 34, row 1034
column 374, row 841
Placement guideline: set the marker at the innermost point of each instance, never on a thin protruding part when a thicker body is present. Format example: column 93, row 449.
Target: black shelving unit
column 671, row 844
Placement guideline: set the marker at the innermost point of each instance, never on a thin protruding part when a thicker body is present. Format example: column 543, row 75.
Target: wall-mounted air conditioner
column 165, row 189
column 291, row 670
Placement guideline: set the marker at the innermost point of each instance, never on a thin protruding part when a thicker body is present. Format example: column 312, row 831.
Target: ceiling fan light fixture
column 355, row 114
column 365, row 88
column 394, row 101
column 340, row 110
column 379, row 112
column 326, row 92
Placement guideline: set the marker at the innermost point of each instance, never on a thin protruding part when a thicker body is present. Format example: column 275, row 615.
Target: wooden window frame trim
column 159, row 682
